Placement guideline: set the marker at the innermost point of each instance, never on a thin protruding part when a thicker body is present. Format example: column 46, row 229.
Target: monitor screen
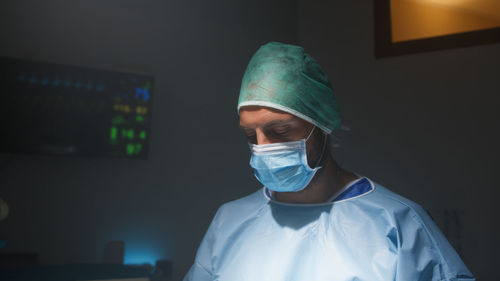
column 70, row 110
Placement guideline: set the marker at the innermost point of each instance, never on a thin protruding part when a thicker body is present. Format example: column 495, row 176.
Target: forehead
column 258, row 116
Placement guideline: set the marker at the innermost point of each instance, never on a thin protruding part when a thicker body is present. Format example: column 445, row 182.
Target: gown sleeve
column 198, row 273
column 424, row 253
column 201, row 270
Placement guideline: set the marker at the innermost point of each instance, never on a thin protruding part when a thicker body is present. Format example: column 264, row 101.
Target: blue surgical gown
column 366, row 233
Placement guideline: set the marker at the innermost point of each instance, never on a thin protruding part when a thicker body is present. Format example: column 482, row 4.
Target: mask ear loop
column 322, row 150
column 322, row 153
column 314, row 127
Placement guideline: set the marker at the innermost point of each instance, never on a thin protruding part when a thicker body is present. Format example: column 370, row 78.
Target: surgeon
column 312, row 220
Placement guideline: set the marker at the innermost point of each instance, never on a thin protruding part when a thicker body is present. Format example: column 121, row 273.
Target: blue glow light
column 142, row 245
column 140, row 256
column 140, row 252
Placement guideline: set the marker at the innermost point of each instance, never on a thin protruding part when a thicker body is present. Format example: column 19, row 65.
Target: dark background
column 424, row 125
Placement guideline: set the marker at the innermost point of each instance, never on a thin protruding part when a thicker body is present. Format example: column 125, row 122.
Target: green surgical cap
column 284, row 77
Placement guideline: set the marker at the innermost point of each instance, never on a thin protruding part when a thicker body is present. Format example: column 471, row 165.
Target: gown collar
column 353, row 189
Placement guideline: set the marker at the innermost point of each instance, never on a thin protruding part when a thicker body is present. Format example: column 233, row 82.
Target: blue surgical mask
column 283, row 167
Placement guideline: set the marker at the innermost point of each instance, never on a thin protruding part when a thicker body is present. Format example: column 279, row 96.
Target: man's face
column 264, row 125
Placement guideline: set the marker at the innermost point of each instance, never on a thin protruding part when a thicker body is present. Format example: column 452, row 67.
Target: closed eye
column 280, row 131
column 252, row 139
column 250, row 135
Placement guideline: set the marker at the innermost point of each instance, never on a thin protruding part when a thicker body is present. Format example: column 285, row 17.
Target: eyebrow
column 272, row 123
column 277, row 122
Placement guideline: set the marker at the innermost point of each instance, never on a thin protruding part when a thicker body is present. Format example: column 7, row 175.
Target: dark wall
column 424, row 125
column 66, row 209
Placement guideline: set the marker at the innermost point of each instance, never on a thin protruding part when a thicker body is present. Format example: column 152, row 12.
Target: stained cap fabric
column 284, row 77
